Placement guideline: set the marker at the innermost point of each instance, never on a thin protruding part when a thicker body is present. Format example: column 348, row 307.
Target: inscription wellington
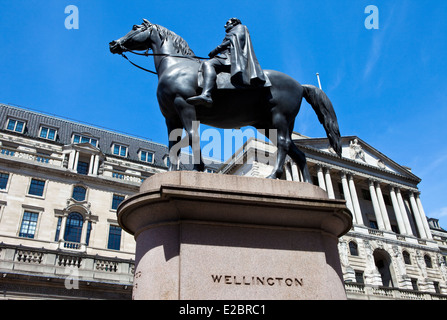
column 257, row 281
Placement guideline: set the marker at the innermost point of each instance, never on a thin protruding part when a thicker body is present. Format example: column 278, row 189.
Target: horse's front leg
column 175, row 131
column 191, row 125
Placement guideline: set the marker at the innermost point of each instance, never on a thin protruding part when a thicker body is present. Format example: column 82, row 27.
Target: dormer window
column 47, row 133
column 15, row 125
column 77, row 138
column 146, row 156
column 119, row 150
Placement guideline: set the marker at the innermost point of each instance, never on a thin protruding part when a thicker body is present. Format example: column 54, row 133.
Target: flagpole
column 319, row 83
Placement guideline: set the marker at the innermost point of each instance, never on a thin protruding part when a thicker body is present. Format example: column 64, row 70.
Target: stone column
column 62, row 229
column 96, row 165
column 355, row 200
column 376, row 206
column 423, row 217
column 347, row 194
column 385, row 217
column 84, row 232
column 397, row 212
column 295, row 172
column 288, row 173
column 75, row 165
column 330, row 188
column 71, row 159
column 403, row 210
column 91, row 164
column 321, row 177
column 417, row 217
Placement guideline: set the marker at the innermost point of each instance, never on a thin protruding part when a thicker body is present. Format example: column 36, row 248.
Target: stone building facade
column 392, row 251
column 60, row 185
column 61, row 182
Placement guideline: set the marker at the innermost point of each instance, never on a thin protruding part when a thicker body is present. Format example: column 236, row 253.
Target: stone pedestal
column 211, row 236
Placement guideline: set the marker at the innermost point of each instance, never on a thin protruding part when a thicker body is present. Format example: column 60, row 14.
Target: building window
column 436, row 285
column 4, row 177
column 146, row 156
column 79, row 193
column 387, row 200
column 82, row 167
column 119, row 150
column 15, row 125
column 359, row 277
column 29, row 224
column 353, row 249
column 414, row 284
column 114, row 242
column 407, row 258
column 373, row 224
column 366, row 195
column 47, row 133
column 427, row 260
column 36, row 187
column 395, row 229
column 117, row 199
column 73, row 228
column 77, row 138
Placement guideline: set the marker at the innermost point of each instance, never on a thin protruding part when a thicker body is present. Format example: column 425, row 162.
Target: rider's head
column 231, row 23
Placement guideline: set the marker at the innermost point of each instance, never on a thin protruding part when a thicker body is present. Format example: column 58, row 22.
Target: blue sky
column 388, row 86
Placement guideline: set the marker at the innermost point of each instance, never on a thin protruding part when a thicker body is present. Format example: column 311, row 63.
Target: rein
column 147, row 54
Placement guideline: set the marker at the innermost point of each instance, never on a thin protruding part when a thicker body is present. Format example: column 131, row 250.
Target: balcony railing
column 362, row 291
column 32, row 156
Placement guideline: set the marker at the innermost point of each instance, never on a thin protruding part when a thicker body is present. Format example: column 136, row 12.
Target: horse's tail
column 326, row 114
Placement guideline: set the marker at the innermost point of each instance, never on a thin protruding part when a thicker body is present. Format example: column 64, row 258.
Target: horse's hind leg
column 283, row 143
column 300, row 159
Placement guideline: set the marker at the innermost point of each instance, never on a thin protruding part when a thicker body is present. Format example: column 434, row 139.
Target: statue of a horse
column 270, row 108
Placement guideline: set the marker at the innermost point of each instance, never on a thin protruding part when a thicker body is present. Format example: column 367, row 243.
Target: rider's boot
column 204, row 100
column 209, row 81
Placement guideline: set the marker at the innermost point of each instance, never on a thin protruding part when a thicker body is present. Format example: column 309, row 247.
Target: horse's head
column 137, row 39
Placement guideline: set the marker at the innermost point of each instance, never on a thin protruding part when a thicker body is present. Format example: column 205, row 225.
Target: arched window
column 353, row 249
column 427, row 260
column 73, row 229
column 79, row 193
column 407, row 258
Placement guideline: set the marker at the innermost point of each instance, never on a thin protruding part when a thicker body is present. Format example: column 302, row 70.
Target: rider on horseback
column 234, row 55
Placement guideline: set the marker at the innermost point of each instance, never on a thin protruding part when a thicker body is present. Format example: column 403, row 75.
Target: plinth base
column 209, row 236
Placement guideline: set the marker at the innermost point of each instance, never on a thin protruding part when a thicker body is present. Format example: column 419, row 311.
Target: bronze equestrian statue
column 273, row 104
column 236, row 56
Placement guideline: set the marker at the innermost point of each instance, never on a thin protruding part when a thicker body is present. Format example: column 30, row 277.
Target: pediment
column 86, row 147
column 358, row 151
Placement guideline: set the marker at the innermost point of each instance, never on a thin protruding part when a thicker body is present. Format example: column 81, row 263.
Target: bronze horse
column 275, row 107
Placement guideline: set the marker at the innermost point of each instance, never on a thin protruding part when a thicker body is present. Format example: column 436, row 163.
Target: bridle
column 147, row 54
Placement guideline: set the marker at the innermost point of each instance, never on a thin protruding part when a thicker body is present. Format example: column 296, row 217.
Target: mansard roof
column 66, row 129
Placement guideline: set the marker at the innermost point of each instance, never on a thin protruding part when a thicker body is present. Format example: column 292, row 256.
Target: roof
column 66, row 128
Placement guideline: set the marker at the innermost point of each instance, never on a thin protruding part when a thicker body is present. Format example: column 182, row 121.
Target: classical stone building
column 391, row 252
column 61, row 182
column 60, row 185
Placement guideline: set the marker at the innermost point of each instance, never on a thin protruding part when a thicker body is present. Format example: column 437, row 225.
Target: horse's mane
column 179, row 43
